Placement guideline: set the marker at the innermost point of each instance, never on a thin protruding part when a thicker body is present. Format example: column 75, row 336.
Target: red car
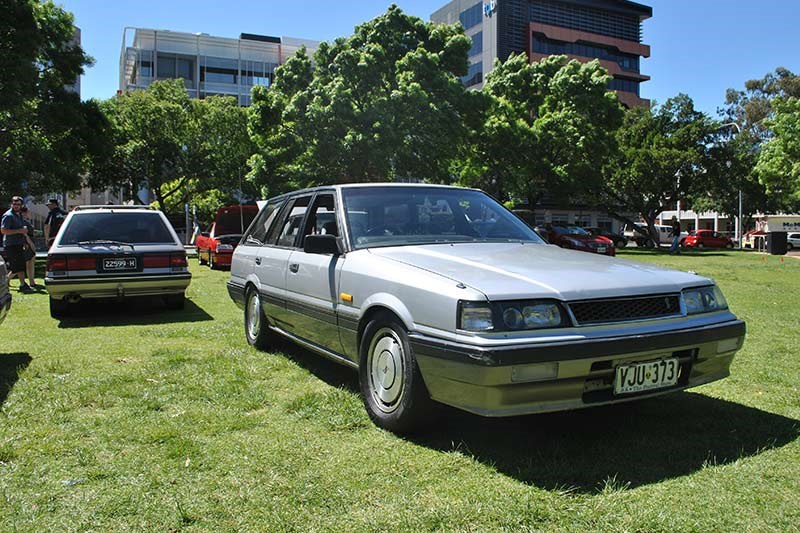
column 215, row 246
column 706, row 238
column 577, row 238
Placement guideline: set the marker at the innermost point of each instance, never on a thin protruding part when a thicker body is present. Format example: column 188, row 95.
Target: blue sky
column 699, row 47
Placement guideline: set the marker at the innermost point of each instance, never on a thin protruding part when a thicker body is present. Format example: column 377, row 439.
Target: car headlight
column 704, row 300
column 511, row 316
column 224, row 248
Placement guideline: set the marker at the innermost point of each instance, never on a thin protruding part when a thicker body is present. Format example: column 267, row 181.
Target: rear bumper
column 110, row 287
column 488, row 382
column 5, row 305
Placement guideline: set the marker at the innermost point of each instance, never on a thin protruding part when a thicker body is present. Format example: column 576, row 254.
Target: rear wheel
column 701, row 245
column 58, row 308
column 211, row 260
column 256, row 328
column 392, row 388
column 200, row 257
column 729, row 246
column 621, row 243
column 175, row 302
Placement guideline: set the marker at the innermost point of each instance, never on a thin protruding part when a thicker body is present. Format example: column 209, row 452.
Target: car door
column 312, row 280
column 255, row 238
column 271, row 262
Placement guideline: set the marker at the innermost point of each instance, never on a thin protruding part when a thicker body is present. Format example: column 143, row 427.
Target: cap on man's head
column 52, row 201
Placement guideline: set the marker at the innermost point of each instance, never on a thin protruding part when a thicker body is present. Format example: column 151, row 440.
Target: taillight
column 156, row 261
column 178, row 260
column 56, row 263
column 81, row 263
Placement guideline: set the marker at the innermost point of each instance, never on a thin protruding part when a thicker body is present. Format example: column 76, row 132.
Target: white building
column 208, row 65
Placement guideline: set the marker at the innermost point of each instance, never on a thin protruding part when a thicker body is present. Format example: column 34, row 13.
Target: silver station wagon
column 440, row 294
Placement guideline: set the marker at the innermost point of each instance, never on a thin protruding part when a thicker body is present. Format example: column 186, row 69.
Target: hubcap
column 386, row 369
column 253, row 315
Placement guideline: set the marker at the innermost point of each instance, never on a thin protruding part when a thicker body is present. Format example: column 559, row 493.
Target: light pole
column 728, row 164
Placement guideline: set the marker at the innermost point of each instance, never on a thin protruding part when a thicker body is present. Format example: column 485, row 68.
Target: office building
column 207, row 64
column 607, row 30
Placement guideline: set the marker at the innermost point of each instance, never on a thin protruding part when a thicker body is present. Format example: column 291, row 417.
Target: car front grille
column 625, row 309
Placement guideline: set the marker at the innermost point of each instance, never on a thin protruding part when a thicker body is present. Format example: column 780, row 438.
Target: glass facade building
column 207, row 65
column 607, row 30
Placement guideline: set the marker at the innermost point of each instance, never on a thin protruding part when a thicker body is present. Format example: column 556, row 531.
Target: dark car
column 619, row 240
column 215, row 246
column 577, row 238
column 706, row 238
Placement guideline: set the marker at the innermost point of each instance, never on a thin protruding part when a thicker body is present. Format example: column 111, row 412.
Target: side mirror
column 323, row 244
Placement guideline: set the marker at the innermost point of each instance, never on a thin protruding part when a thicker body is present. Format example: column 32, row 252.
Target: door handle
column 293, row 268
column 258, row 260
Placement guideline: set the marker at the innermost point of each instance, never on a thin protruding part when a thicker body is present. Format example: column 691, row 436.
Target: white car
column 115, row 252
column 792, row 241
column 438, row 293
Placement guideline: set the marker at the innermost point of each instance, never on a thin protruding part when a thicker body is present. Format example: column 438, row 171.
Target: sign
column 489, row 8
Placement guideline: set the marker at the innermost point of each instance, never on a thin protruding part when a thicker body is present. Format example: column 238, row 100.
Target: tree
column 550, row 128
column 47, row 135
column 385, row 103
column 175, row 146
column 778, row 165
column 663, row 155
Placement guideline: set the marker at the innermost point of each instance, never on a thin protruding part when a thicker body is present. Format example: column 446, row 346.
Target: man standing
column 676, row 236
column 53, row 221
column 14, row 231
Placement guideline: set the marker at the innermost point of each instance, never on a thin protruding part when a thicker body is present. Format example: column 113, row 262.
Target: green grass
column 135, row 417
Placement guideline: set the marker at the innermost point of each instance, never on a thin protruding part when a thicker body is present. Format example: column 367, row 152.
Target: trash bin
column 776, row 242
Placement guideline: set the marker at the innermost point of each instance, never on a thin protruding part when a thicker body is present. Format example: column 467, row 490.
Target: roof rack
column 84, row 207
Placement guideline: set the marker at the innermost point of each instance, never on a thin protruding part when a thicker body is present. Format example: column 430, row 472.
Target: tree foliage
column 384, row 103
column 175, row 146
column 549, row 128
column 663, row 157
column 47, row 135
column 779, row 161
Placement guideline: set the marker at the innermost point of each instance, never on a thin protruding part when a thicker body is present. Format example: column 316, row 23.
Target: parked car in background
column 440, row 294
column 706, row 238
column 576, row 238
column 619, row 240
column 5, row 294
column 641, row 236
column 792, row 241
column 215, row 246
column 115, row 252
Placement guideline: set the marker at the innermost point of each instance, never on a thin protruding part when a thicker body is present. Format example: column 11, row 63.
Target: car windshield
column 570, row 230
column 129, row 228
column 233, row 221
column 397, row 216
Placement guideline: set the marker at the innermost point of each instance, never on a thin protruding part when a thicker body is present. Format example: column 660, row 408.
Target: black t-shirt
column 55, row 218
column 676, row 228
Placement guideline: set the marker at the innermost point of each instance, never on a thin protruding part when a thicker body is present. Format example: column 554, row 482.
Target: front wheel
column 392, row 388
column 256, row 328
column 621, row 243
column 789, row 246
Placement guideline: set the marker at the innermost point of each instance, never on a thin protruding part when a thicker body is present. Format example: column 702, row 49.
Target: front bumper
column 118, row 286
column 481, row 380
column 5, row 305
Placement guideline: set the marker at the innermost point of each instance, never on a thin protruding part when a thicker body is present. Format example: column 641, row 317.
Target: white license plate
column 126, row 263
column 638, row 377
column 601, row 250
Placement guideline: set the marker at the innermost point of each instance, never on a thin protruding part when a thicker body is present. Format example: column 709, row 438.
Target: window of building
column 219, row 70
column 477, row 44
column 628, row 86
column 584, row 18
column 474, row 75
column 471, row 16
column 166, row 67
column 542, row 45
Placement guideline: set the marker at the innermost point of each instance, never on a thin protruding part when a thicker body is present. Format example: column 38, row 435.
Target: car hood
column 516, row 270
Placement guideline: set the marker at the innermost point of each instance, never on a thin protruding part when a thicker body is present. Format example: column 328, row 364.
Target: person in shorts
column 14, row 231
column 29, row 250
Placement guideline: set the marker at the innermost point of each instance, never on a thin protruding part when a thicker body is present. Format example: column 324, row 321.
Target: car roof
column 342, row 186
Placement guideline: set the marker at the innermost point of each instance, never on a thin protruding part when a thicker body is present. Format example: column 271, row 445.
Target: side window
column 257, row 233
column 321, row 219
column 291, row 221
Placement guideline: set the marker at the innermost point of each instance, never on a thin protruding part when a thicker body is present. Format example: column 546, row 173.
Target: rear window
column 132, row 228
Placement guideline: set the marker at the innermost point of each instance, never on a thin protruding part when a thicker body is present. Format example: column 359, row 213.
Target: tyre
column 729, row 246
column 701, row 245
column 175, row 302
column 210, row 260
column 621, row 243
column 58, row 308
column 789, row 246
column 256, row 327
column 392, row 388
column 200, row 259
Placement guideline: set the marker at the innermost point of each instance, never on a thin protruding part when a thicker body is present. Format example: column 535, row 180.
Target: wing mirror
column 323, row 244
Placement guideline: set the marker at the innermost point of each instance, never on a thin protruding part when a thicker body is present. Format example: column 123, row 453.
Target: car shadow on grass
column 133, row 311
column 11, row 364
column 619, row 447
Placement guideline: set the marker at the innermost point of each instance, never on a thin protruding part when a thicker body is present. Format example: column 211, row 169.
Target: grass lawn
column 134, row 417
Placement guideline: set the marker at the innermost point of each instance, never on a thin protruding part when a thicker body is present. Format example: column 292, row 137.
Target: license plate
column 119, row 264
column 638, row 377
column 601, row 250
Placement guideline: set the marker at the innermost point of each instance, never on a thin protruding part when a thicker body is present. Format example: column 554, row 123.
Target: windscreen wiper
column 99, row 241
